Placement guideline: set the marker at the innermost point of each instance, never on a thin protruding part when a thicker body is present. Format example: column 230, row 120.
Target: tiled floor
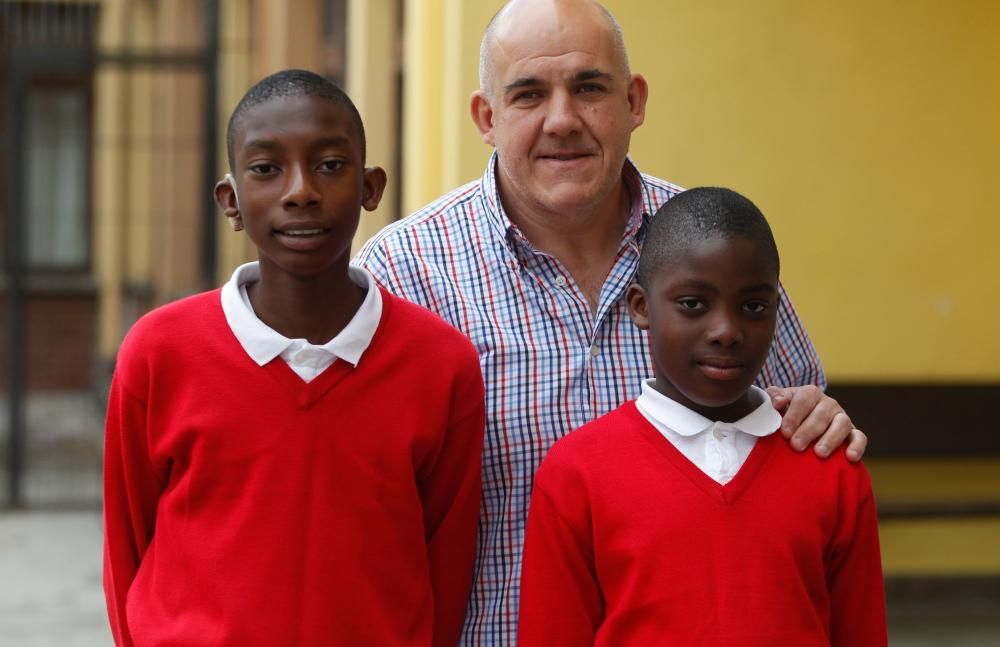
column 51, row 594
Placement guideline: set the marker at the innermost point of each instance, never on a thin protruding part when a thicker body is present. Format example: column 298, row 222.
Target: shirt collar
column 638, row 211
column 762, row 421
column 263, row 343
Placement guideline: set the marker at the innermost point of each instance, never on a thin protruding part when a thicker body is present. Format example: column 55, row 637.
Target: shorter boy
column 293, row 459
column 681, row 518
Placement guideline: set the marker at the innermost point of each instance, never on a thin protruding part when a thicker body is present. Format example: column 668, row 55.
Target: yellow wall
column 867, row 132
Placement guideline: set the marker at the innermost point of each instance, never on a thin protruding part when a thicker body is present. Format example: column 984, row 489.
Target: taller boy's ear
column 482, row 115
column 638, row 307
column 225, row 197
column 374, row 184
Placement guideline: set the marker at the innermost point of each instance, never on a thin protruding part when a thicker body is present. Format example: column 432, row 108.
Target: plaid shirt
column 549, row 364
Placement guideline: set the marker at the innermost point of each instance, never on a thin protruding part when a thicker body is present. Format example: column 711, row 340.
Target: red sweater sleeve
column 560, row 603
column 451, row 491
column 854, row 569
column 132, row 488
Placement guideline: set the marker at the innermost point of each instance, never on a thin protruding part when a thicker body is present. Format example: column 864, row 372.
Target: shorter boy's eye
column 690, row 304
column 756, row 307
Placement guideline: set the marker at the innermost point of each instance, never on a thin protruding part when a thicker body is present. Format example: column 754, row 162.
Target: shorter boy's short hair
column 696, row 215
column 292, row 83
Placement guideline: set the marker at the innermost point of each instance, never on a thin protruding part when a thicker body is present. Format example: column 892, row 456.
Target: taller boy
column 285, row 464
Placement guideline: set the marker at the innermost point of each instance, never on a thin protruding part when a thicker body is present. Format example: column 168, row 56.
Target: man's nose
column 562, row 115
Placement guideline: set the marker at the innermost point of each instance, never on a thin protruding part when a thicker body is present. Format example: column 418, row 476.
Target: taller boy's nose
column 300, row 190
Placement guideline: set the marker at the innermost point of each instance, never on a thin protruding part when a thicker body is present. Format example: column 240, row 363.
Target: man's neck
column 586, row 242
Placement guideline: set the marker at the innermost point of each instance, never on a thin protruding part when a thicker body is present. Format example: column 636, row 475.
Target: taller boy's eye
column 263, row 168
column 332, row 165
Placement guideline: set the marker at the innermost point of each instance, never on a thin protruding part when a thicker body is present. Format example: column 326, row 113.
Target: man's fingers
column 835, row 433
column 805, row 402
column 856, row 445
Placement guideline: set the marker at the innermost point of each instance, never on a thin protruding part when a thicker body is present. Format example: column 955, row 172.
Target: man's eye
column 587, row 88
column 527, row 96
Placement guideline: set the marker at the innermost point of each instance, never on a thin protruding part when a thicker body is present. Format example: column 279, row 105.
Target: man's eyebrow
column 591, row 74
column 523, row 82
column 583, row 75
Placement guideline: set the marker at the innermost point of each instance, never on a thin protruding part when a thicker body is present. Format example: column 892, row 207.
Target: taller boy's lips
column 301, row 238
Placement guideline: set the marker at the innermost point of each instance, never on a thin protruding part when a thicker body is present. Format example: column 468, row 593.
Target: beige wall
column 867, row 132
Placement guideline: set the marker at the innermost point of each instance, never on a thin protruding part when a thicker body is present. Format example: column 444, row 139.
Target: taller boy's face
column 302, row 183
column 711, row 314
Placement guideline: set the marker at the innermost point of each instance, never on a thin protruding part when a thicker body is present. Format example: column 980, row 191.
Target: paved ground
column 50, row 570
column 50, row 567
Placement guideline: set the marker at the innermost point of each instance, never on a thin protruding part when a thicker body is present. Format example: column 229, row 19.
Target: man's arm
column 808, row 415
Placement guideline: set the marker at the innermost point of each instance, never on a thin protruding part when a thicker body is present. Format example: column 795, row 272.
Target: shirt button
column 594, row 351
column 300, row 357
column 719, row 434
column 561, row 281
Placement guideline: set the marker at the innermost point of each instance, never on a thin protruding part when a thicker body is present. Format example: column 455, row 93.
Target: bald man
column 532, row 262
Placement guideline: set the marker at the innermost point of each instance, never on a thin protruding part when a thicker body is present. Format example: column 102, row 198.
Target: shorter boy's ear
column 225, row 197
column 635, row 296
column 375, row 180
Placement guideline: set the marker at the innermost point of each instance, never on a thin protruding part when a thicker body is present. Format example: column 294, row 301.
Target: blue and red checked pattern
column 549, row 364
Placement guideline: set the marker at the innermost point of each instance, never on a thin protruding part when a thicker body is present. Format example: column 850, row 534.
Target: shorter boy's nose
column 300, row 190
column 724, row 330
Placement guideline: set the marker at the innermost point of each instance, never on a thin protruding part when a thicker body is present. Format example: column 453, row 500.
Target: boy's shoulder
column 597, row 441
column 174, row 324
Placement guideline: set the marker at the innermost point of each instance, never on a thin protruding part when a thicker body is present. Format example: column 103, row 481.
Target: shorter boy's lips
column 721, row 369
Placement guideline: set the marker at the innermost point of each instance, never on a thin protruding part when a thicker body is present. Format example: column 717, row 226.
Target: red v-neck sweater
column 244, row 506
column 629, row 544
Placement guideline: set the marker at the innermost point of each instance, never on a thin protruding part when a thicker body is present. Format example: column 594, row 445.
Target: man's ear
column 638, row 93
column 638, row 308
column 374, row 184
column 482, row 116
column 225, row 197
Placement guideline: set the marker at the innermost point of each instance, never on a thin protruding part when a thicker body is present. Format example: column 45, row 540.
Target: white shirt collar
column 762, row 421
column 263, row 343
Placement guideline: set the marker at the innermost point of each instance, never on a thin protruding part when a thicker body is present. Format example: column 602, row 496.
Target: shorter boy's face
column 302, row 184
column 710, row 312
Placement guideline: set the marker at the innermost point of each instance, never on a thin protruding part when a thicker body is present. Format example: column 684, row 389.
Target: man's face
column 560, row 111
column 710, row 313
column 302, row 184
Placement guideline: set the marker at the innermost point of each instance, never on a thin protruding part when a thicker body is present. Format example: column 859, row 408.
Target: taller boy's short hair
column 292, row 83
column 698, row 214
